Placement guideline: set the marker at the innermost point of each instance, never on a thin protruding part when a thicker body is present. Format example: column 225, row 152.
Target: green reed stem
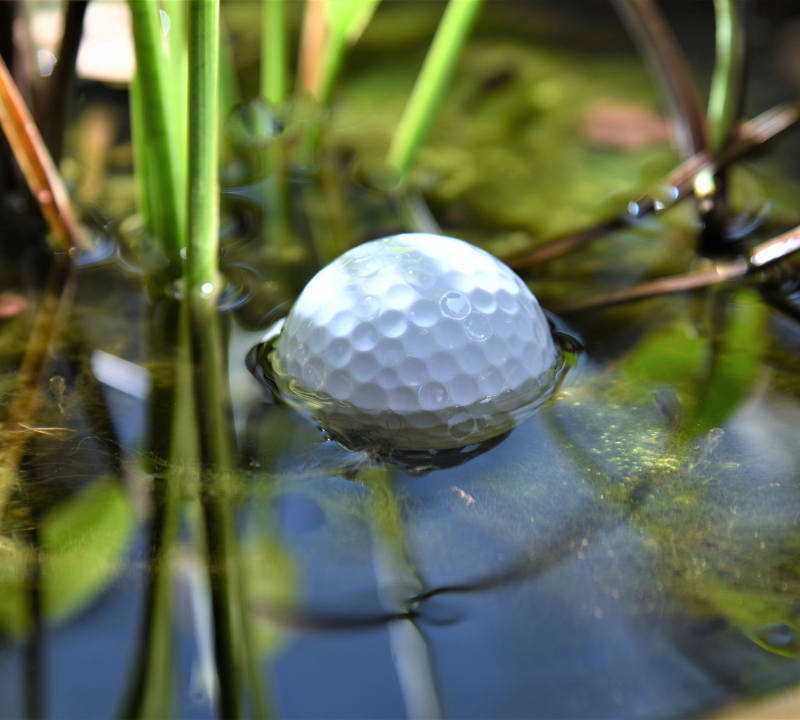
column 152, row 693
column 160, row 134
column 273, row 51
column 273, row 89
column 432, row 82
column 724, row 103
column 203, row 248
column 140, row 153
column 178, row 40
column 210, row 373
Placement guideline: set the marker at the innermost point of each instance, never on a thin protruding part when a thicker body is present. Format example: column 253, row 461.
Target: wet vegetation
column 631, row 550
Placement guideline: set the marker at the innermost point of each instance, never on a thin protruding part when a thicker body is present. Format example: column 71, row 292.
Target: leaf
column 349, row 18
column 83, row 544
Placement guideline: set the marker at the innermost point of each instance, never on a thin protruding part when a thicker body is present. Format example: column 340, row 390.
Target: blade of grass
column 347, row 20
column 273, row 51
column 432, row 82
column 38, row 167
column 662, row 53
column 161, row 133
column 727, row 82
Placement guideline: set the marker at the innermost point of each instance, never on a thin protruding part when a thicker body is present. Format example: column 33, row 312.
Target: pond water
column 629, row 551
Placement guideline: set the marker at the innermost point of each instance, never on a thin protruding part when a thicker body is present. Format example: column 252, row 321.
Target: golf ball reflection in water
column 416, row 341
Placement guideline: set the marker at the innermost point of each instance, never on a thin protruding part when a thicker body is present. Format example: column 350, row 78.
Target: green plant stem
column 177, row 37
column 432, row 82
column 207, row 360
column 140, row 153
column 273, row 51
column 273, row 89
column 725, row 100
column 161, row 133
column 203, row 246
column 152, row 692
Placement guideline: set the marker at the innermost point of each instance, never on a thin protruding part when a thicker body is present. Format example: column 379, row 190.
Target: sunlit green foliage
column 83, row 545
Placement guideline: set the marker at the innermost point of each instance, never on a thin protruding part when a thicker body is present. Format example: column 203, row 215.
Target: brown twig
column 717, row 273
column 662, row 53
column 761, row 256
column 752, row 136
column 37, row 166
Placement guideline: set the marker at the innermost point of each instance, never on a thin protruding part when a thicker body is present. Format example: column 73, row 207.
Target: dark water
column 631, row 551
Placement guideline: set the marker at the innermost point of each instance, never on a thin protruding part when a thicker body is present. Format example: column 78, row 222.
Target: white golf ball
column 417, row 341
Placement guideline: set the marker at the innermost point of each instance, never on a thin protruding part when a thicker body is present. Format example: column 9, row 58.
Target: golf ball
column 416, row 341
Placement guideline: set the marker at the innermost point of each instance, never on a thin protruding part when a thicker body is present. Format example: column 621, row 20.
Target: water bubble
column 420, row 278
column 433, row 396
column 455, row 305
column 477, row 327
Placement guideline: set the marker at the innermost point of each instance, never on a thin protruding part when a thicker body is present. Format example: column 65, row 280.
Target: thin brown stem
column 662, row 53
column 752, row 136
column 761, row 256
column 52, row 99
column 717, row 273
column 37, row 166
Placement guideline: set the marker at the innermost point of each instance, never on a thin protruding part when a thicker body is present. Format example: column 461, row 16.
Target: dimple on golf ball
column 417, row 341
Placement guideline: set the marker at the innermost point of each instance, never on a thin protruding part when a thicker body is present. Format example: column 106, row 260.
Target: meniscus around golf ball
column 416, row 341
